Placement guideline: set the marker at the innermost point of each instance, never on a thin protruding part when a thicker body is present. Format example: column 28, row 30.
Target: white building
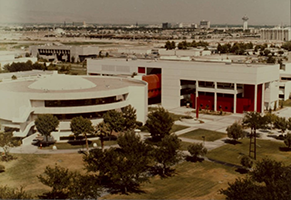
column 205, row 24
column 66, row 97
column 63, row 52
column 285, row 82
column 281, row 34
column 219, row 86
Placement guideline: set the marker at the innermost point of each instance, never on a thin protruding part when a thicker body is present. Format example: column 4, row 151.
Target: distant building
column 205, row 24
column 166, row 25
column 63, row 53
column 282, row 34
column 194, row 25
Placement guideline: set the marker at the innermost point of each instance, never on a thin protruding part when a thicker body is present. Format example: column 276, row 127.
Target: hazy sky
column 260, row 12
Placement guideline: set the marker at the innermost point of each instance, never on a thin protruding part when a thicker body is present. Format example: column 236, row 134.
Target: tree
column 246, row 162
column 196, row 150
column 287, row 140
column 281, row 123
column 269, row 180
column 254, row 120
column 6, row 142
column 69, row 185
column 45, row 124
column 129, row 118
column 167, row 153
column 81, row 126
column 59, row 179
column 13, row 193
column 115, row 120
column 235, row 131
column 287, row 46
column 159, row 123
column 102, row 130
column 270, row 119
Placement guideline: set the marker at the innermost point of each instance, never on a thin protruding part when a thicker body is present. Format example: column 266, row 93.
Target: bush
column 246, row 162
column 196, row 150
column 2, row 168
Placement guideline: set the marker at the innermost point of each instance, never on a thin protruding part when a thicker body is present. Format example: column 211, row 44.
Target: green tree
column 287, row 140
column 235, row 131
column 84, row 187
column 281, row 123
column 6, row 142
column 129, row 118
column 13, row 193
column 102, row 130
column 159, row 123
column 246, row 162
column 270, row 119
column 59, row 179
column 287, row 46
column 81, row 126
column 45, row 124
column 196, row 150
column 167, row 153
column 269, row 180
column 115, row 120
column 254, row 120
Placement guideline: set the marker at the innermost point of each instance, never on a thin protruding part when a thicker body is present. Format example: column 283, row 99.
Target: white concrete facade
column 281, row 34
column 66, row 97
column 235, row 76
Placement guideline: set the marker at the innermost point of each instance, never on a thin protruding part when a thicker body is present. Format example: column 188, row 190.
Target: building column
column 234, row 99
column 215, row 96
column 263, row 98
column 196, row 94
column 256, row 98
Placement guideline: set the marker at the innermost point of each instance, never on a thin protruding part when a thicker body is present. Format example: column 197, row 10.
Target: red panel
column 154, row 84
column 225, row 103
column 259, row 98
column 206, row 100
column 141, row 70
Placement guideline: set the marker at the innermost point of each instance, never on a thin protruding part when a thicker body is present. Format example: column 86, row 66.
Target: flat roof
column 101, row 84
column 164, row 63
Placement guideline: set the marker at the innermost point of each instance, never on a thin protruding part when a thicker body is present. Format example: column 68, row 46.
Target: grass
column 209, row 135
column 184, row 145
column 190, row 181
column 176, row 128
column 265, row 148
column 24, row 170
column 70, row 146
column 286, row 103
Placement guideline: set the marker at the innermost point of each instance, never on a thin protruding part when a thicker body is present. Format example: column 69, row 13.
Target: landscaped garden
column 208, row 135
column 231, row 153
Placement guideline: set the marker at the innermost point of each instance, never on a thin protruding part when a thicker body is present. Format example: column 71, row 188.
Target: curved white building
column 66, row 97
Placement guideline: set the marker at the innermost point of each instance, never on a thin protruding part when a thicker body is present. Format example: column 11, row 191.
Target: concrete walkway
column 205, row 121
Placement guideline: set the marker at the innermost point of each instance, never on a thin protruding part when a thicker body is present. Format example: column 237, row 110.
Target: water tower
column 245, row 25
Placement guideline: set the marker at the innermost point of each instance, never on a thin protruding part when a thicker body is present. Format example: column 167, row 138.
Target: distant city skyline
column 259, row 12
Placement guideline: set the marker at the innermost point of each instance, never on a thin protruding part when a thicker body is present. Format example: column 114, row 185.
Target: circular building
column 66, row 97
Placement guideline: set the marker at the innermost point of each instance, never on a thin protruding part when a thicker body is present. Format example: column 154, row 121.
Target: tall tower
column 245, row 25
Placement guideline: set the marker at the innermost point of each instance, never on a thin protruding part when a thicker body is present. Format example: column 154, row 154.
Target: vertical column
column 215, row 96
column 263, row 98
column 234, row 99
column 256, row 98
column 196, row 94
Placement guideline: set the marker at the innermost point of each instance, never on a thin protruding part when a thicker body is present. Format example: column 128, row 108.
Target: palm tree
column 102, row 129
column 253, row 120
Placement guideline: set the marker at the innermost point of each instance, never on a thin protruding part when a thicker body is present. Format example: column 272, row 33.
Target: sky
column 260, row 12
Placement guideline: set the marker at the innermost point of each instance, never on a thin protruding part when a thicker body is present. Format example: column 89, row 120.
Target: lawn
column 286, row 103
column 265, row 148
column 24, row 170
column 176, row 128
column 199, row 133
column 190, row 181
